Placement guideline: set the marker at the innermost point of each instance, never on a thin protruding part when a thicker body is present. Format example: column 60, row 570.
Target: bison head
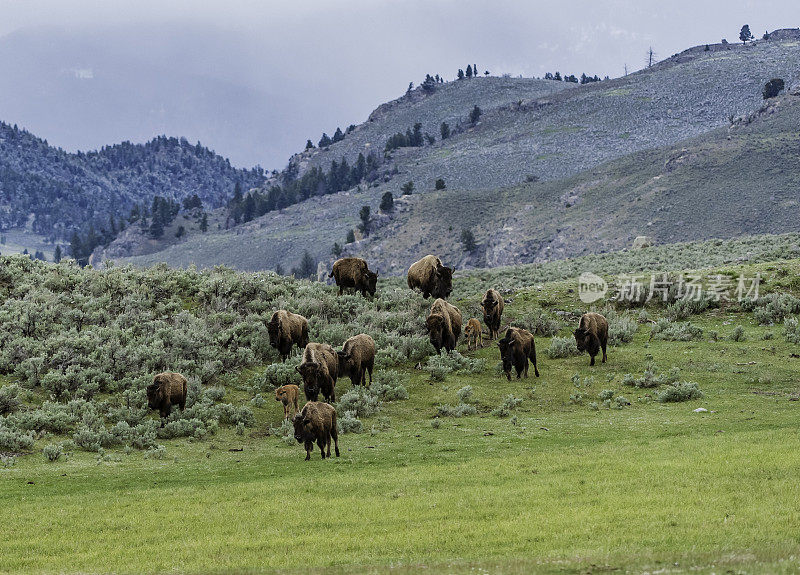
column 345, row 360
column 155, row 393
column 280, row 394
column 435, row 326
column 489, row 305
column 442, row 282
column 585, row 340
column 310, row 371
column 469, row 330
column 505, row 345
column 302, row 427
column 273, row 329
column 372, row 282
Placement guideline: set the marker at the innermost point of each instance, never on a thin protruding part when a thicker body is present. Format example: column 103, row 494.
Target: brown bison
column 316, row 422
column 357, row 358
column 443, row 325
column 287, row 395
column 492, row 305
column 167, row 389
column 353, row 273
column 285, row 330
column 319, row 371
column 592, row 334
column 431, row 277
column 473, row 333
column 516, row 348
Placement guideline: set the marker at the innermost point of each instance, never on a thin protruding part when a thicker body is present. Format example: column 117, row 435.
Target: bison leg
column 533, row 358
column 591, row 362
column 363, row 379
column 369, row 369
column 308, row 454
column 328, row 444
column 604, row 350
column 321, row 444
column 335, row 435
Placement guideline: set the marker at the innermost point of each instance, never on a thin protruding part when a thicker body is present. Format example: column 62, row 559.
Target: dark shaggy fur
column 320, row 369
column 431, row 277
column 357, row 358
column 592, row 335
column 285, row 330
column 167, row 389
column 287, row 395
column 492, row 305
column 317, row 423
column 353, row 273
column 443, row 325
column 516, row 348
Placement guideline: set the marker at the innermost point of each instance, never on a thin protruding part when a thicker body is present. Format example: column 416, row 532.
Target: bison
column 167, row 389
column 473, row 333
column 357, row 358
column 287, row 395
column 516, row 348
column 431, row 277
column 492, row 305
column 353, row 273
column 319, row 370
column 316, row 422
column 285, row 330
column 443, row 325
column 592, row 334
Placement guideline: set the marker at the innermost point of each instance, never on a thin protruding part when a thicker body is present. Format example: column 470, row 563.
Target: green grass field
column 557, row 487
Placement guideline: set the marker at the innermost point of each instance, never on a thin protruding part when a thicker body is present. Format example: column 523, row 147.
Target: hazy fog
column 254, row 80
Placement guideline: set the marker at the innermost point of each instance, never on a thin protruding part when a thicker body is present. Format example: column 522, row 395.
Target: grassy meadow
column 570, row 479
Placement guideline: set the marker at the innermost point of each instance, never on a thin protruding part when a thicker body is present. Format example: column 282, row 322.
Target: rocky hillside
column 53, row 193
column 549, row 169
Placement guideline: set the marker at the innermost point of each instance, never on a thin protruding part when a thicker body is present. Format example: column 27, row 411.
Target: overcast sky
column 329, row 63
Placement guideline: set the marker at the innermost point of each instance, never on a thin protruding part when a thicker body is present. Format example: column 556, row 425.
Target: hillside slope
column 52, row 192
column 666, row 191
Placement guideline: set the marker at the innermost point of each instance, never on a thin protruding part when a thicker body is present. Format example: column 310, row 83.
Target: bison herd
column 322, row 365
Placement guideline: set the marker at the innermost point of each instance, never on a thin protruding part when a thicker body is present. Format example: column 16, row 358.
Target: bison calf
column 431, row 277
column 167, row 389
column 285, row 330
column 357, row 358
column 492, row 305
column 287, row 395
column 319, row 370
column 516, row 348
column 317, row 423
column 444, row 325
column 473, row 333
column 353, row 273
column 592, row 334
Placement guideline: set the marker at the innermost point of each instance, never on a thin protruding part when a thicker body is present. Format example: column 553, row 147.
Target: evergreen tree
column 336, row 250
column 444, row 130
column 57, row 254
column 460, row 74
column 745, row 34
column 387, row 202
column 308, row 267
column 204, row 223
column 279, row 269
column 475, row 115
column 249, row 208
column 351, row 237
column 469, row 71
column 181, row 232
column 338, row 136
column 363, row 215
column 557, row 76
column 468, row 240
column 156, row 229
column 309, row 144
column 325, row 141
column 439, row 184
column 408, row 188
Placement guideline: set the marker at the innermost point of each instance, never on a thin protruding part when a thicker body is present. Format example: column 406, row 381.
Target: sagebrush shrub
column 680, row 391
column 464, row 394
column 791, row 330
column 359, row 401
column 52, row 452
column 738, row 334
column 510, row 403
column 460, row 410
column 9, row 399
column 675, row 331
column 561, row 347
column 349, row 422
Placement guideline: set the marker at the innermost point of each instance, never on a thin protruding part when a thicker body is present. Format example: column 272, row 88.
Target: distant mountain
column 548, row 170
column 54, row 193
